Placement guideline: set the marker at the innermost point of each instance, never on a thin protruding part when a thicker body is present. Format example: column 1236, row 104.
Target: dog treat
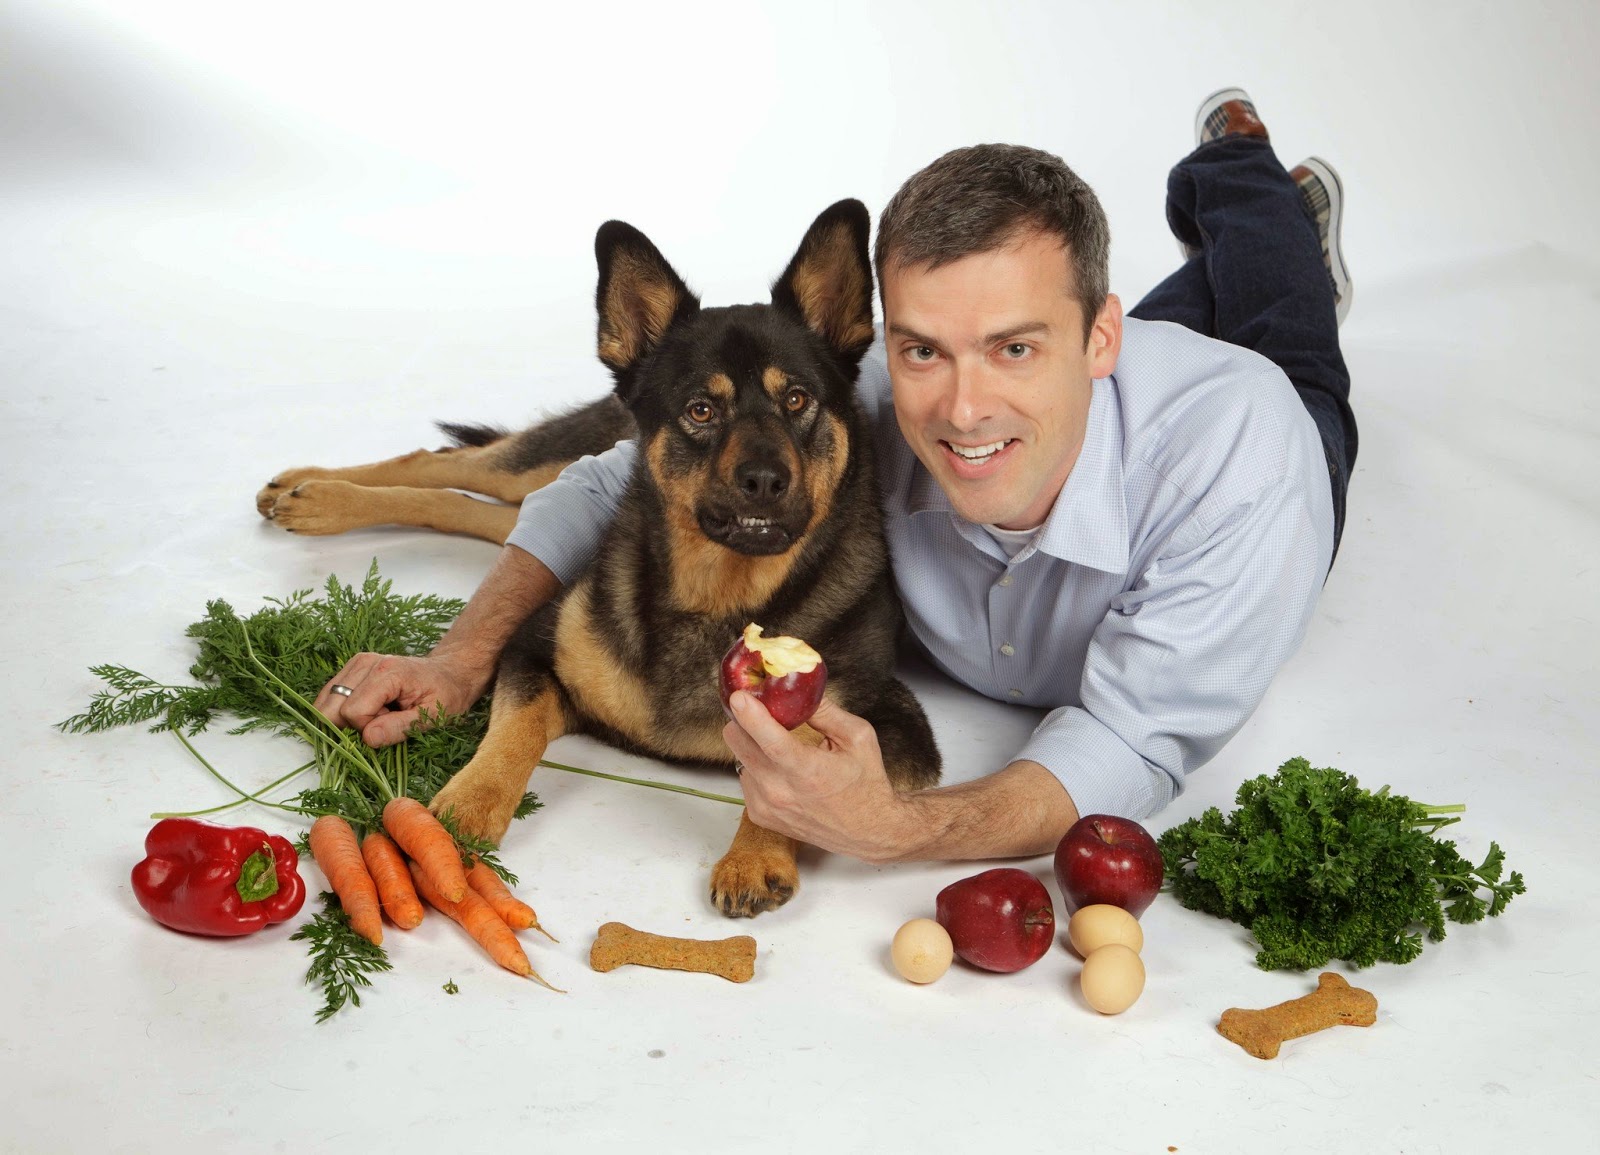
column 618, row 945
column 1334, row 1003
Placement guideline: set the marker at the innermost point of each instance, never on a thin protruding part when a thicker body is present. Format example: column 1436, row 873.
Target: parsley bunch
column 1319, row 868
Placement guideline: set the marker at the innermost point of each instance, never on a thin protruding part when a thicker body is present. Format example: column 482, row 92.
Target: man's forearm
column 515, row 587
column 1020, row 811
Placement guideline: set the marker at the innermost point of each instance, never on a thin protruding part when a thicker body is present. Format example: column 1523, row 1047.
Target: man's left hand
column 833, row 794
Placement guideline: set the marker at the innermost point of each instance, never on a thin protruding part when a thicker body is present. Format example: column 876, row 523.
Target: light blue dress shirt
column 1176, row 573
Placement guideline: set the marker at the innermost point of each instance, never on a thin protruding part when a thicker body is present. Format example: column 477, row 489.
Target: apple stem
column 650, row 782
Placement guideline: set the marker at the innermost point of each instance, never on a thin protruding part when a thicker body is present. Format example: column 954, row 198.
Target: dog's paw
column 476, row 806
column 745, row 883
column 321, row 507
column 267, row 496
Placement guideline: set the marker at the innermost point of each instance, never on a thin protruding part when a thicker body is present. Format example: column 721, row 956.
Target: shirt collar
column 1089, row 521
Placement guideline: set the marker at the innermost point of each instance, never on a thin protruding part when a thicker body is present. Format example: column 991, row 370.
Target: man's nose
column 971, row 398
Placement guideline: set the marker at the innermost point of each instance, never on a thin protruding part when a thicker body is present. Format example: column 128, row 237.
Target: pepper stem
column 258, row 875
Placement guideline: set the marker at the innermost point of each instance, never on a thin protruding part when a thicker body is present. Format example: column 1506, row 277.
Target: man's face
column 992, row 376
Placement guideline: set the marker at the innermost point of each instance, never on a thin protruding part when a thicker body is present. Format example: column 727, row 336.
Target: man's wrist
column 1017, row 812
column 916, row 829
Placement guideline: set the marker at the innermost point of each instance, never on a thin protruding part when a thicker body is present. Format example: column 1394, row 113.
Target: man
column 1127, row 522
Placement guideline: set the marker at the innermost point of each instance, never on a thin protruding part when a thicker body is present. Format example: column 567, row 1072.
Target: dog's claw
column 739, row 895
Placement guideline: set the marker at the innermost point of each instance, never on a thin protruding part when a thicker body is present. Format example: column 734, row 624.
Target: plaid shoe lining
column 1216, row 123
column 1314, row 195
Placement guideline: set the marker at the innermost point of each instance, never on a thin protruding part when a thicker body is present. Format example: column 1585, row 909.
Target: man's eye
column 921, row 353
column 700, row 412
column 795, row 400
column 1016, row 349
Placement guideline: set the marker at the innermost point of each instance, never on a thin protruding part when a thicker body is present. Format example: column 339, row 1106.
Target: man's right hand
column 388, row 693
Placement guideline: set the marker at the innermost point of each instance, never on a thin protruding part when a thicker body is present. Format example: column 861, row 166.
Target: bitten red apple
column 1103, row 858
column 1000, row 920
column 784, row 674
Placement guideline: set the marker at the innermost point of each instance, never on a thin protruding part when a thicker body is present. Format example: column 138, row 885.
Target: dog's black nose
column 762, row 480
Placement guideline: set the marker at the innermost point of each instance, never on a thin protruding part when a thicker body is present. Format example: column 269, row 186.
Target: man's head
column 993, row 263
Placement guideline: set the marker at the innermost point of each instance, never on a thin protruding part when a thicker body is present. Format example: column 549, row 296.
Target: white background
column 238, row 238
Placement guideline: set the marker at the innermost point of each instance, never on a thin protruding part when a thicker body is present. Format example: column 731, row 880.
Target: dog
column 753, row 499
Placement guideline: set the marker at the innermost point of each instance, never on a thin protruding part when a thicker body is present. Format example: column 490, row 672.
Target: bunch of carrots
column 373, row 877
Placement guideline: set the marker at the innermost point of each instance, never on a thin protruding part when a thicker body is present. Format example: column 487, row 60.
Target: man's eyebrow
column 1017, row 331
column 896, row 329
column 899, row 330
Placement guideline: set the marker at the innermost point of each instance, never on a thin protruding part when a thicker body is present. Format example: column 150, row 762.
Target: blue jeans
column 1259, row 282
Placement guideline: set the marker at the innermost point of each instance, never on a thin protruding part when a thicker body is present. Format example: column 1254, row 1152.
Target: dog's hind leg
column 483, row 795
column 905, row 740
column 507, row 466
column 325, row 507
column 758, row 873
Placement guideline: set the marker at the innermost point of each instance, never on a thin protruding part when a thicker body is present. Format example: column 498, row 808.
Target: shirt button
column 1005, row 581
column 1007, row 649
column 1015, row 693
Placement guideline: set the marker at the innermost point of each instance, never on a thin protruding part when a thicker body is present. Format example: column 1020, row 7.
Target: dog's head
column 745, row 413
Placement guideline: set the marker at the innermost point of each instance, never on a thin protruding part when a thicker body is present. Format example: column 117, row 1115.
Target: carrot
column 388, row 869
column 516, row 914
column 428, row 844
column 334, row 846
column 479, row 920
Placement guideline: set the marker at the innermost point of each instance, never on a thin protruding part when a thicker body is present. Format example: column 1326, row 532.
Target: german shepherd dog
column 753, row 498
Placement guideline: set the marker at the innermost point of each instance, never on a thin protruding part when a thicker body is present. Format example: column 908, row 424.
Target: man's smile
column 976, row 461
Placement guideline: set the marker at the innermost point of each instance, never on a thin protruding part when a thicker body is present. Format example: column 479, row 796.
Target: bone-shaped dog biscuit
column 618, row 945
column 1334, row 1003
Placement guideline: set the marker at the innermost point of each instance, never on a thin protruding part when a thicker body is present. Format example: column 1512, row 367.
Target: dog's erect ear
column 829, row 282
column 640, row 296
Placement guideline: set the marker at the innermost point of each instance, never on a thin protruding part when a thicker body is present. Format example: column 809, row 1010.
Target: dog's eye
column 700, row 412
column 795, row 400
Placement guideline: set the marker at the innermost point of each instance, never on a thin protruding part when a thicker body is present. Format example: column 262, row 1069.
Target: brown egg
column 1112, row 979
column 1093, row 927
column 922, row 950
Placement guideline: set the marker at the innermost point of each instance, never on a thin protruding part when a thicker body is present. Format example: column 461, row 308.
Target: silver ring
column 338, row 689
column 738, row 768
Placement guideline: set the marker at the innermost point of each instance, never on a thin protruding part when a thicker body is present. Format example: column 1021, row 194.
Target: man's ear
column 828, row 284
column 1105, row 338
column 639, row 297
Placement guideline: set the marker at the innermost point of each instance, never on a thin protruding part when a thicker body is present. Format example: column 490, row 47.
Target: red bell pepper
column 217, row 880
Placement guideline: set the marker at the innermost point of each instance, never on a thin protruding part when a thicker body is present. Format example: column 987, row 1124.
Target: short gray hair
column 983, row 197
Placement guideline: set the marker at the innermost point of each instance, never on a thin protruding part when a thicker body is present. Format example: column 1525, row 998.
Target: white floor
column 172, row 333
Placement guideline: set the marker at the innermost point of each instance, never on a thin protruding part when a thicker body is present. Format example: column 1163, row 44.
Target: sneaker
column 1227, row 112
column 1323, row 194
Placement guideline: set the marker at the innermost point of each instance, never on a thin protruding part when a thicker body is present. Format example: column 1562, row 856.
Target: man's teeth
column 979, row 452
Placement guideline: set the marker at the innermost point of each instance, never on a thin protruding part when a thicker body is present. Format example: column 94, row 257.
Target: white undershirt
column 1013, row 541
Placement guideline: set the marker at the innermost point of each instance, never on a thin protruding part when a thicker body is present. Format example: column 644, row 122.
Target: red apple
column 784, row 674
column 1000, row 920
column 1103, row 858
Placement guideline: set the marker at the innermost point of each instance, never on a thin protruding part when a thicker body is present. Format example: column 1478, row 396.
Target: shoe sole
column 1210, row 104
column 1343, row 287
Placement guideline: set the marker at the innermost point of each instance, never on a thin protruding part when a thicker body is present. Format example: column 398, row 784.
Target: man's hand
column 834, row 794
column 388, row 694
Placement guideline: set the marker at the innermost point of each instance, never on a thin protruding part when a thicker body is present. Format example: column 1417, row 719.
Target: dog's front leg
column 484, row 794
column 758, row 873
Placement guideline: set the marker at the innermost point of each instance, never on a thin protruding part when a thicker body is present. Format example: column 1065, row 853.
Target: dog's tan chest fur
column 618, row 697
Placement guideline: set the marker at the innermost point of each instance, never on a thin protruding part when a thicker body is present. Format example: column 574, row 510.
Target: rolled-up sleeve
column 1183, row 658
column 562, row 524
